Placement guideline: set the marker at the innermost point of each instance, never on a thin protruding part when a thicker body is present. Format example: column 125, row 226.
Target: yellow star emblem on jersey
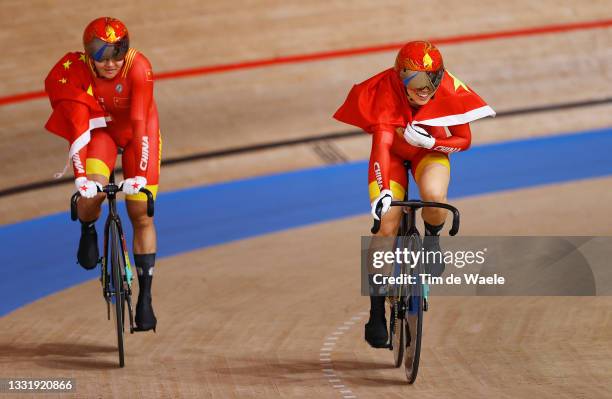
column 427, row 61
column 63, row 81
column 457, row 83
column 67, row 64
column 90, row 90
column 83, row 57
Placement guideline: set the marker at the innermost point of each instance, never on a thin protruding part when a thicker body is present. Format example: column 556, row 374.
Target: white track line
column 327, row 364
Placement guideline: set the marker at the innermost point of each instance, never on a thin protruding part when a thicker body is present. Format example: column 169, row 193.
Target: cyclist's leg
column 101, row 155
column 376, row 327
column 432, row 175
column 145, row 238
column 397, row 182
column 144, row 229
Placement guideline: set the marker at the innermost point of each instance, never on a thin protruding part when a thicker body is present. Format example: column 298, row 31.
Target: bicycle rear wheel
column 116, row 267
column 397, row 329
column 414, row 317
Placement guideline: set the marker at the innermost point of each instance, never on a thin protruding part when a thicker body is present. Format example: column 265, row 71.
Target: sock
column 145, row 264
column 85, row 226
column 377, row 305
column 433, row 230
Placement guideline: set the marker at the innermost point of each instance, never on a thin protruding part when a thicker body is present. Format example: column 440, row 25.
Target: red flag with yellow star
column 453, row 104
column 75, row 110
column 381, row 101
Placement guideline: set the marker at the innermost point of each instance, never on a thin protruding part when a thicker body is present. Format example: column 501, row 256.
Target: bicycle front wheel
column 119, row 294
column 414, row 317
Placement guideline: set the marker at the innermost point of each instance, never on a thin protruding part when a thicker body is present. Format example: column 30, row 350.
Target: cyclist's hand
column 381, row 204
column 132, row 185
column 87, row 188
column 418, row 137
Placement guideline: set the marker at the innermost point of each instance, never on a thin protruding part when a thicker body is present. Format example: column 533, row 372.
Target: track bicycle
column 116, row 282
column 408, row 301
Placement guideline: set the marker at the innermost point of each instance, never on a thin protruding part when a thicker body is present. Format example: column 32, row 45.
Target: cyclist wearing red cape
column 406, row 109
column 102, row 101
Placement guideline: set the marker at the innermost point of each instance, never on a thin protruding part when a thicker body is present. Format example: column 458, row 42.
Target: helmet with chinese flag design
column 106, row 38
column 419, row 64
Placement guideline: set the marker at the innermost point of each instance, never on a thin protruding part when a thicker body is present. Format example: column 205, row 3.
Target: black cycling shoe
column 434, row 264
column 376, row 332
column 145, row 318
column 88, row 254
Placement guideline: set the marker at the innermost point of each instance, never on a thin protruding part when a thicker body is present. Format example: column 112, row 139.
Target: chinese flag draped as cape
column 381, row 101
column 75, row 110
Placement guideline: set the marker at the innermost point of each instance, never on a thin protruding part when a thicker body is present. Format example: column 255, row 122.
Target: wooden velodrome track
column 231, row 325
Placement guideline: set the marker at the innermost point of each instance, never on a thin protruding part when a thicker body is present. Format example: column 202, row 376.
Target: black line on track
column 303, row 140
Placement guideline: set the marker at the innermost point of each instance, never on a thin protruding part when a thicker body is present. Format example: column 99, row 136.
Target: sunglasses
column 101, row 51
column 421, row 79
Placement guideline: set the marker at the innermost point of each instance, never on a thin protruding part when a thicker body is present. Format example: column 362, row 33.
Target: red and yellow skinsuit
column 131, row 118
column 379, row 106
column 390, row 150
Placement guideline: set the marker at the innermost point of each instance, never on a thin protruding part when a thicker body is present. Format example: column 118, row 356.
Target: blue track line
column 37, row 257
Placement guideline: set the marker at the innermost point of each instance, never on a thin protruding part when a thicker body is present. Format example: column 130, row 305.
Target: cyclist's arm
column 142, row 97
column 460, row 139
column 78, row 163
column 380, row 156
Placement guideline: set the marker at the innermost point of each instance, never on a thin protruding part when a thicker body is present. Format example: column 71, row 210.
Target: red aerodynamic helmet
column 106, row 38
column 419, row 64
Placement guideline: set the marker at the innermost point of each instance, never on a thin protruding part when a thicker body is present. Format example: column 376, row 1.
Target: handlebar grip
column 150, row 202
column 455, row 227
column 74, row 215
column 375, row 227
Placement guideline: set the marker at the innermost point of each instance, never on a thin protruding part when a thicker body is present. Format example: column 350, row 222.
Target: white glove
column 133, row 185
column 385, row 197
column 418, row 137
column 87, row 188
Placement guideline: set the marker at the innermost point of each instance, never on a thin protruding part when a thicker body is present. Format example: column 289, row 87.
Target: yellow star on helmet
column 110, row 34
column 83, row 57
column 427, row 61
column 63, row 80
column 457, row 83
column 67, row 64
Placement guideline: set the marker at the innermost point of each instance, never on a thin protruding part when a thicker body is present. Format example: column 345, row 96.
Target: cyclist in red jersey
column 120, row 79
column 406, row 108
